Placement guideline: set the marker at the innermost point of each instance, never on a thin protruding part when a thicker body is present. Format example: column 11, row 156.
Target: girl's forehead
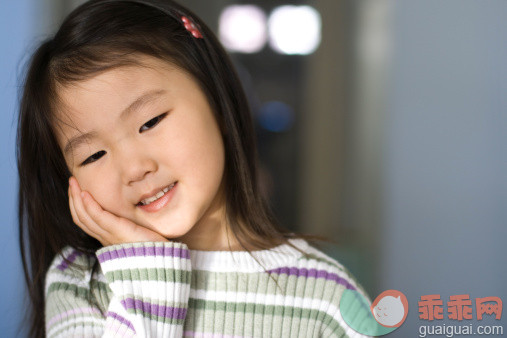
column 113, row 88
column 124, row 77
column 108, row 96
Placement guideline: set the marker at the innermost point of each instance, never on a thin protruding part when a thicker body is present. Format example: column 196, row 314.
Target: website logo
column 386, row 314
column 460, row 313
column 390, row 308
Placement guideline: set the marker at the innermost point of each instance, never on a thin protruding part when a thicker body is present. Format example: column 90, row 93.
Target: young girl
column 139, row 201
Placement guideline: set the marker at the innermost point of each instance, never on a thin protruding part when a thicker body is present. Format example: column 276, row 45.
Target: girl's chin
column 169, row 227
column 170, row 234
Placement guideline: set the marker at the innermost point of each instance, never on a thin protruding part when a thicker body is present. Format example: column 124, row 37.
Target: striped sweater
column 163, row 289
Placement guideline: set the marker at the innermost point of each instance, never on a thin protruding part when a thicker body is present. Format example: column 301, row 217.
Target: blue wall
column 16, row 30
column 445, row 154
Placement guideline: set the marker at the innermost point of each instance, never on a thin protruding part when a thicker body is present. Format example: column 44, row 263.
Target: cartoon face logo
column 390, row 308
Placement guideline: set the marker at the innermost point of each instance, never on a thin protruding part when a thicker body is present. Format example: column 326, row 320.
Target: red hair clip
column 189, row 26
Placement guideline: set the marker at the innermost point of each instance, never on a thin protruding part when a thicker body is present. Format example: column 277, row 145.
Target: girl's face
column 130, row 132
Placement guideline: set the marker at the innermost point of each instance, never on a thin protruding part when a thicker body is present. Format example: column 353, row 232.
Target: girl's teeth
column 157, row 196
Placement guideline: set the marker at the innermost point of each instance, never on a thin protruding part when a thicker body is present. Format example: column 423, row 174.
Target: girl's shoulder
column 331, row 282
column 320, row 265
column 70, row 257
column 70, row 265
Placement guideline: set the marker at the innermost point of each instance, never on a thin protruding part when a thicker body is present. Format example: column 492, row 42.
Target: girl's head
column 80, row 115
column 133, row 131
column 194, row 128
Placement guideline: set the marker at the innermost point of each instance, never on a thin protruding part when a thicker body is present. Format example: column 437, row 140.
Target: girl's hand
column 107, row 228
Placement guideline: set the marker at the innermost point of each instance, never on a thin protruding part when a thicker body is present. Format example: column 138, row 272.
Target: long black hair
column 98, row 36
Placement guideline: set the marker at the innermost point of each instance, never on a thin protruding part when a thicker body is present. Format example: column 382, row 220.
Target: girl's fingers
column 81, row 214
column 102, row 224
column 101, row 217
column 119, row 229
column 75, row 218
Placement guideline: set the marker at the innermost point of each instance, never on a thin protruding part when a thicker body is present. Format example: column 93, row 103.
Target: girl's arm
column 144, row 293
column 147, row 279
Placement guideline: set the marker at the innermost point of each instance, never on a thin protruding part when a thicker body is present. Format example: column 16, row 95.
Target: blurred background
column 381, row 125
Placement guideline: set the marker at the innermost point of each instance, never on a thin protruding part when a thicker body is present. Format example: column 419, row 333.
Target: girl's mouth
column 159, row 200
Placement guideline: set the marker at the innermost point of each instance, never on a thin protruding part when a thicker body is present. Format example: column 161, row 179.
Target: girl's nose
column 137, row 169
column 136, row 165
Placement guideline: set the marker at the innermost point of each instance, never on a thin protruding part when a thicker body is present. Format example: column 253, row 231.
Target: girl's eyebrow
column 137, row 104
column 141, row 101
column 76, row 141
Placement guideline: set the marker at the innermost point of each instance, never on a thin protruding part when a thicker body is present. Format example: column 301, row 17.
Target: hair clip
column 189, row 26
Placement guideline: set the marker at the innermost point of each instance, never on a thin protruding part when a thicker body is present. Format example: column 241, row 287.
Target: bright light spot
column 294, row 29
column 242, row 28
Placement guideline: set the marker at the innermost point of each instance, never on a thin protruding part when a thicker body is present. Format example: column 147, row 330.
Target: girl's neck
column 218, row 237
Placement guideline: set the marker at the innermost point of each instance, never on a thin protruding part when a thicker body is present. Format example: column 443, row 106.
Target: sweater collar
column 242, row 261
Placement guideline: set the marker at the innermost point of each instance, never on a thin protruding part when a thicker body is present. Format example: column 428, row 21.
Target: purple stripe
column 143, row 251
column 72, row 257
column 154, row 309
column 315, row 274
column 121, row 320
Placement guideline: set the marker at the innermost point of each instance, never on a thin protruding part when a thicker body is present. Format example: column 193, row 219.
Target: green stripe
column 156, row 301
column 58, row 297
column 332, row 326
column 97, row 286
column 80, row 292
column 255, row 308
column 252, row 319
column 263, row 284
column 150, row 274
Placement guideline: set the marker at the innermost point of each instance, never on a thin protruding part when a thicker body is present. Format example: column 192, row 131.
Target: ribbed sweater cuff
column 160, row 254
column 151, row 280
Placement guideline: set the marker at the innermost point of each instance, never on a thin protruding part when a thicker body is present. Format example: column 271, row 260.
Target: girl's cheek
column 100, row 188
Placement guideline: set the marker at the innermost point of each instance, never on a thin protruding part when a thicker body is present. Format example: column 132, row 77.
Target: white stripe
column 155, row 290
column 143, row 262
column 76, row 323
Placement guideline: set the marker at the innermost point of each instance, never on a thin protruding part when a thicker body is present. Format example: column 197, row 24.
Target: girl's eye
column 94, row 157
column 151, row 123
